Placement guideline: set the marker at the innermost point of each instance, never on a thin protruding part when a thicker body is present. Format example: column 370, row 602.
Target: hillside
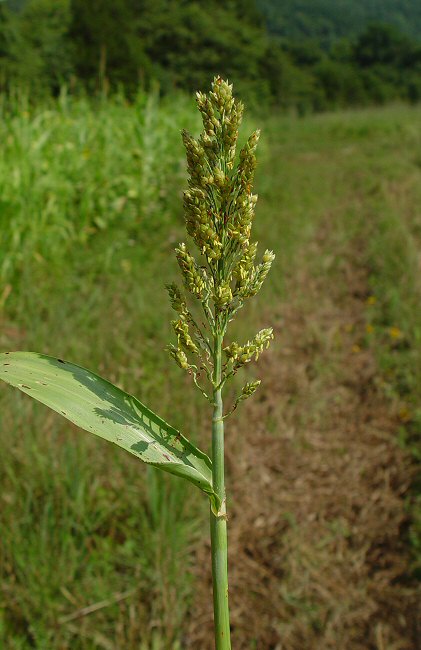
column 327, row 20
column 326, row 56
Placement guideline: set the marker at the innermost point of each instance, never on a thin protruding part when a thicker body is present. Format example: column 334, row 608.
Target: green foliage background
column 328, row 20
column 295, row 54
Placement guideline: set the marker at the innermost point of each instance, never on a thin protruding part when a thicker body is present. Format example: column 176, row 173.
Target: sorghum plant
column 219, row 209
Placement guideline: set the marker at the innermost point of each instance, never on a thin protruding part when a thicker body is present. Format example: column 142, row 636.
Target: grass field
column 90, row 212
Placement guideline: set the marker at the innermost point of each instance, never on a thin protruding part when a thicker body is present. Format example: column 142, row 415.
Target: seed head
column 219, row 208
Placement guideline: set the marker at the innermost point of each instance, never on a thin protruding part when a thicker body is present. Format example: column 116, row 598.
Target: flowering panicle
column 219, row 208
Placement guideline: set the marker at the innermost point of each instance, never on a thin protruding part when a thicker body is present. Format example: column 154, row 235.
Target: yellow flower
column 371, row 300
column 126, row 266
column 369, row 328
column 404, row 414
column 395, row 333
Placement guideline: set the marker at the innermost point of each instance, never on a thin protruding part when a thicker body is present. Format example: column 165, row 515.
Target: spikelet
column 179, row 357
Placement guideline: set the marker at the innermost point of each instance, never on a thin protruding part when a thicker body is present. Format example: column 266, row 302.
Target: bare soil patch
column 318, row 558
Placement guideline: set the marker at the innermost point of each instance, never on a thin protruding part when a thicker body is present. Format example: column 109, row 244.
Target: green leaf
column 98, row 406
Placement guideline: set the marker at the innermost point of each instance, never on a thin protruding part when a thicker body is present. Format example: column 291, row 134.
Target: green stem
column 218, row 524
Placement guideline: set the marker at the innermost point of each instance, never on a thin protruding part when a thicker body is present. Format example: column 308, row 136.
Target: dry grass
column 317, row 498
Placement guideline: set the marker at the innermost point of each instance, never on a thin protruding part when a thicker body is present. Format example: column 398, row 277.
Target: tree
column 382, row 45
column 44, row 53
column 105, row 43
column 8, row 36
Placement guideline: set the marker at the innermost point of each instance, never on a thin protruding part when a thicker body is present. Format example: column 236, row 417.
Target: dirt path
column 317, row 509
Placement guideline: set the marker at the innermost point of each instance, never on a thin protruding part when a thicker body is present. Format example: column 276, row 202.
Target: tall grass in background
column 71, row 173
column 90, row 209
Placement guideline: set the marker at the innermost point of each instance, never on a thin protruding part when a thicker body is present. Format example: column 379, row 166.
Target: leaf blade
column 97, row 406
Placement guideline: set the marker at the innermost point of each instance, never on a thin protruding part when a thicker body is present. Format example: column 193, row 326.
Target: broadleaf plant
column 219, row 209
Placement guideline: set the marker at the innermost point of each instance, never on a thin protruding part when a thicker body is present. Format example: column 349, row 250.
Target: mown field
column 325, row 526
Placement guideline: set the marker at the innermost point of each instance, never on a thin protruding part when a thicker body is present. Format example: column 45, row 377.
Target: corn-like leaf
column 98, row 406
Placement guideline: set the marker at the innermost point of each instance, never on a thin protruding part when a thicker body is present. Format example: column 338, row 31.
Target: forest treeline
column 105, row 45
column 328, row 20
